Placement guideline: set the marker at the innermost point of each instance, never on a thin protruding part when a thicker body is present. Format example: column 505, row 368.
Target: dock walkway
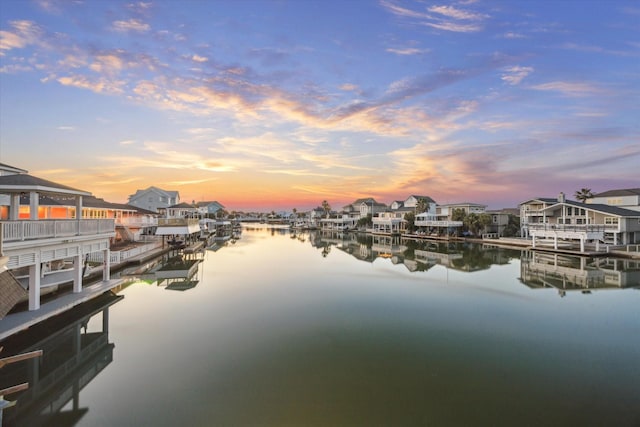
column 16, row 322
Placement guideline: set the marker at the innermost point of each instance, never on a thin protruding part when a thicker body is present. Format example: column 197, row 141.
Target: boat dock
column 16, row 322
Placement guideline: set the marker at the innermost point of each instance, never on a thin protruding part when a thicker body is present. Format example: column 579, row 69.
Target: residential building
column 33, row 238
column 557, row 221
column 360, row 208
column 626, row 198
column 154, row 198
column 412, row 202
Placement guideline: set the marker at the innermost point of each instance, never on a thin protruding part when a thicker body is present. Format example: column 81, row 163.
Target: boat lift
column 4, row 404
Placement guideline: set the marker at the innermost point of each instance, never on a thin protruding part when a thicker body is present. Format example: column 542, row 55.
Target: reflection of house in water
column 178, row 273
column 566, row 273
column 71, row 359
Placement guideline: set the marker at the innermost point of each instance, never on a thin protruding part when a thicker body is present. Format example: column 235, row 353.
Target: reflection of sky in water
column 277, row 334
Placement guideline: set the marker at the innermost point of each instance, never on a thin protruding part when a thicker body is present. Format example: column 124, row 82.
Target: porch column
column 14, row 209
column 106, row 265
column 77, row 273
column 555, row 241
column 34, row 202
column 34, row 285
column 533, row 240
column 615, row 238
column 581, row 243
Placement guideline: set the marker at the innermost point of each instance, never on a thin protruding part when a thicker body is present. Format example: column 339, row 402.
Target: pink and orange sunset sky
column 266, row 105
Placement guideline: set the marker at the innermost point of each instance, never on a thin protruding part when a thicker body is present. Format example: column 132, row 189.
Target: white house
column 32, row 237
column 154, row 198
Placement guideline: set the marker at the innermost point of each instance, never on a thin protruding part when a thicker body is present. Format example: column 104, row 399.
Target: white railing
column 17, row 231
column 137, row 222
column 430, row 223
column 573, row 227
column 177, row 221
column 117, row 257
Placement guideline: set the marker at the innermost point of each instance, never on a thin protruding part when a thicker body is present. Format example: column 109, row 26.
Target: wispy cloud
column 66, row 128
column 446, row 18
column 407, row 51
column 129, row 25
column 515, row 75
column 572, row 89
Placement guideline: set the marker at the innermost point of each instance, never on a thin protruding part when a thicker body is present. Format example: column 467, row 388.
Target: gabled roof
column 426, row 198
column 22, row 182
column 155, row 189
column 622, row 192
column 206, row 204
column 541, row 199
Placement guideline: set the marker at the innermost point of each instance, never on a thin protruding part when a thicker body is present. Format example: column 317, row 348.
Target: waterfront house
column 181, row 210
column 389, row 222
column 154, row 198
column 209, row 209
column 33, row 237
column 445, row 212
column 413, row 200
column 626, row 198
column 556, row 221
column 360, row 208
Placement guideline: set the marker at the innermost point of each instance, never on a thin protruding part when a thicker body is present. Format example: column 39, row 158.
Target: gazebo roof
column 21, row 183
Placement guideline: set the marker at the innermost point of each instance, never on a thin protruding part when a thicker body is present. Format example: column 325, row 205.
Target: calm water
column 279, row 329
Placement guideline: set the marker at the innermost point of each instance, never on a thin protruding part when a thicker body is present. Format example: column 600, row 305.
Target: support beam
column 106, row 264
column 77, row 273
column 34, row 285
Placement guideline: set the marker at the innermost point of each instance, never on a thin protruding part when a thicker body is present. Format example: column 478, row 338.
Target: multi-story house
column 625, row 198
column 34, row 237
column 154, row 198
column 557, row 221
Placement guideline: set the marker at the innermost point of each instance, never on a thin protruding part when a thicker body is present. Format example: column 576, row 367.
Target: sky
column 266, row 105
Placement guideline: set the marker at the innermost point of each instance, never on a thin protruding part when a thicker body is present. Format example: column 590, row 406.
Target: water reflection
column 72, row 357
column 572, row 273
column 538, row 269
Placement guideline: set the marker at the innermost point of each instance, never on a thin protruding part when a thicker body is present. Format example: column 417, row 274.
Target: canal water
column 308, row 329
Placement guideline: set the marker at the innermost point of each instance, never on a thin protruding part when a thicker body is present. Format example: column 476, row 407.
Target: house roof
column 10, row 168
column 611, row 210
column 22, row 182
column 426, row 198
column 622, row 192
column 206, row 204
column 463, row 204
column 541, row 199
column 157, row 190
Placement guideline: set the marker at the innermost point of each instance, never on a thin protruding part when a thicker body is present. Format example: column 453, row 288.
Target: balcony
column 580, row 228
column 15, row 233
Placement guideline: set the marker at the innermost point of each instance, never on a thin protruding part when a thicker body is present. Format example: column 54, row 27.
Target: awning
column 177, row 229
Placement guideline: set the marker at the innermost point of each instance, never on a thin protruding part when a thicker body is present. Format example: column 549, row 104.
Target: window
column 609, row 220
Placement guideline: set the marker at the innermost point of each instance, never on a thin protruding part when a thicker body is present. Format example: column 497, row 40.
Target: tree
column 583, row 194
column 410, row 217
column 421, row 206
column 365, row 221
column 326, row 207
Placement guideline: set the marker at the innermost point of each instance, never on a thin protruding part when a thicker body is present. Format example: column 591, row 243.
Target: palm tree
column 421, row 206
column 583, row 194
column 326, row 207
